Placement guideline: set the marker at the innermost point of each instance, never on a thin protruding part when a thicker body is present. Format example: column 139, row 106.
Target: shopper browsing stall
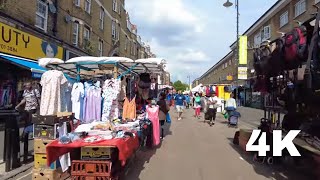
column 163, row 110
column 180, row 101
column 31, row 102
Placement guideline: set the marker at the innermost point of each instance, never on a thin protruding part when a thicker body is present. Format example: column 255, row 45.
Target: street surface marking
column 24, row 176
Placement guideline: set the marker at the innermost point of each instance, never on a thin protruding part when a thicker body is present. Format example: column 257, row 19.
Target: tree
column 179, row 86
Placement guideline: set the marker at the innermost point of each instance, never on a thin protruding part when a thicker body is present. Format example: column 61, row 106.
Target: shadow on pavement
column 277, row 171
column 143, row 157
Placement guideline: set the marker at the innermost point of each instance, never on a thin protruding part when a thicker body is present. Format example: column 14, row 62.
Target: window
column 77, row 3
column 87, row 6
column 42, row 15
column 114, row 5
column 299, row 8
column 284, row 19
column 114, row 31
column 266, row 32
column 119, row 8
column 230, row 62
column 257, row 40
column 126, row 43
column 102, row 13
column 75, row 33
column 86, row 33
column 100, row 48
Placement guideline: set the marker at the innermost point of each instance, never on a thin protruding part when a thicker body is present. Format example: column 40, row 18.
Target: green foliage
column 179, row 86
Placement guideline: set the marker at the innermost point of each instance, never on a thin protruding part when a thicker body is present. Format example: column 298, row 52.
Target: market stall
column 289, row 82
column 107, row 123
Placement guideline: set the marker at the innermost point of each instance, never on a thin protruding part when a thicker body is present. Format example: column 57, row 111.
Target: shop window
column 42, row 15
column 86, row 33
column 77, row 3
column 114, row 30
column 102, row 14
column 75, row 33
column 100, row 48
column 284, row 19
column 87, row 6
column 300, row 8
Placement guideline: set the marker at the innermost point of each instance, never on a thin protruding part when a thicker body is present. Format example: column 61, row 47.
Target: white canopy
column 99, row 60
column 196, row 89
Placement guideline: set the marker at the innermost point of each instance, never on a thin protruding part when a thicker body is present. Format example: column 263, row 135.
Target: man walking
column 180, row 100
column 212, row 110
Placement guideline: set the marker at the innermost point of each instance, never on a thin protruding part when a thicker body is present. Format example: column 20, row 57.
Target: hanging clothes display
column 153, row 92
column 144, row 85
column 52, row 82
column 92, row 102
column 122, row 94
column 66, row 101
column 131, row 88
column 7, row 95
column 129, row 109
column 111, row 90
column 153, row 115
column 208, row 91
column 77, row 96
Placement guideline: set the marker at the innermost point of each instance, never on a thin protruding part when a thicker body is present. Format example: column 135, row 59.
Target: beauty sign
column 19, row 43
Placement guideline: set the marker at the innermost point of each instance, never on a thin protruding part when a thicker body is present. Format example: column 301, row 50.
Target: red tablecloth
column 125, row 146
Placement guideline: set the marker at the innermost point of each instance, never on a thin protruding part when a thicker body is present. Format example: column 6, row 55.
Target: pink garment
column 208, row 90
column 153, row 115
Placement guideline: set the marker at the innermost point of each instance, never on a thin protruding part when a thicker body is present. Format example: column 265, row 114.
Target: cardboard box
column 40, row 161
column 49, row 174
column 245, row 133
column 96, row 153
column 42, row 131
column 40, row 145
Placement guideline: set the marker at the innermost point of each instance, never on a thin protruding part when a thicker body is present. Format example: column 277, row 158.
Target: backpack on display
column 276, row 58
column 261, row 57
column 295, row 48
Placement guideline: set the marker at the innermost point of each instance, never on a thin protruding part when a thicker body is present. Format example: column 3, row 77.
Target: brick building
column 280, row 18
column 77, row 27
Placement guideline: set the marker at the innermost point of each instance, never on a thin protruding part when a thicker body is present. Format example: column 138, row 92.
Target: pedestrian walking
column 212, row 109
column 180, row 101
column 197, row 105
column 231, row 105
column 163, row 111
column 187, row 97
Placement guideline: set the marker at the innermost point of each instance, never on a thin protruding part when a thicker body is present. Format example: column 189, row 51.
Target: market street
column 194, row 150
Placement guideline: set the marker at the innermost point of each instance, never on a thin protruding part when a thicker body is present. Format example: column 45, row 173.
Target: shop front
column 19, row 52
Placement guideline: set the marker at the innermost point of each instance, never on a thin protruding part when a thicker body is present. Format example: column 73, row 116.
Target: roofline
column 218, row 63
column 274, row 7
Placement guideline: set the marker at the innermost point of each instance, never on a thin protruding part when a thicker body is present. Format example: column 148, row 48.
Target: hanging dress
column 129, row 109
column 153, row 115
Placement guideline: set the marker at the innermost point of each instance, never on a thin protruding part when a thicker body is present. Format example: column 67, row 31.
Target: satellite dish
column 67, row 18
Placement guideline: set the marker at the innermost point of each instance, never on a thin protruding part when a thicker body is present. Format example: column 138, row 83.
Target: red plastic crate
column 99, row 169
column 92, row 178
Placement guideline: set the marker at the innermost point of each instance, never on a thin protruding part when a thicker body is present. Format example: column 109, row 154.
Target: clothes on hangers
column 123, row 89
column 7, row 95
column 92, row 102
column 77, row 96
column 129, row 109
column 131, row 88
column 153, row 115
column 111, row 90
column 66, row 101
column 153, row 92
column 52, row 82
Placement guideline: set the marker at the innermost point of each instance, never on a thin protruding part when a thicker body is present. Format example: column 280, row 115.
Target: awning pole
column 128, row 71
column 115, row 71
column 78, row 72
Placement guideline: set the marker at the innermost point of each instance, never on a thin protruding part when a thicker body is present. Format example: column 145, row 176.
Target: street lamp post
column 229, row 4
column 189, row 82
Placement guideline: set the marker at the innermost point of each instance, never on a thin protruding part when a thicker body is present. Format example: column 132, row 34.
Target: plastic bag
column 226, row 116
column 168, row 118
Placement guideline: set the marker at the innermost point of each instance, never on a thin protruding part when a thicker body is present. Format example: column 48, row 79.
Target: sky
column 192, row 35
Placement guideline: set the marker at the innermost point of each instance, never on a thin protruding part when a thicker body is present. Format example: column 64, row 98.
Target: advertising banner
column 243, row 50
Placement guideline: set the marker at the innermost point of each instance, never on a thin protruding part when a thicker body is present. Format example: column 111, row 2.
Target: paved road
column 194, row 150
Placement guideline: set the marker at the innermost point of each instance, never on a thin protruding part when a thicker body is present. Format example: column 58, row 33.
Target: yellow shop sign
column 19, row 43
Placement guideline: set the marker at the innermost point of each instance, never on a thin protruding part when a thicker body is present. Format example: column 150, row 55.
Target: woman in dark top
column 163, row 110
